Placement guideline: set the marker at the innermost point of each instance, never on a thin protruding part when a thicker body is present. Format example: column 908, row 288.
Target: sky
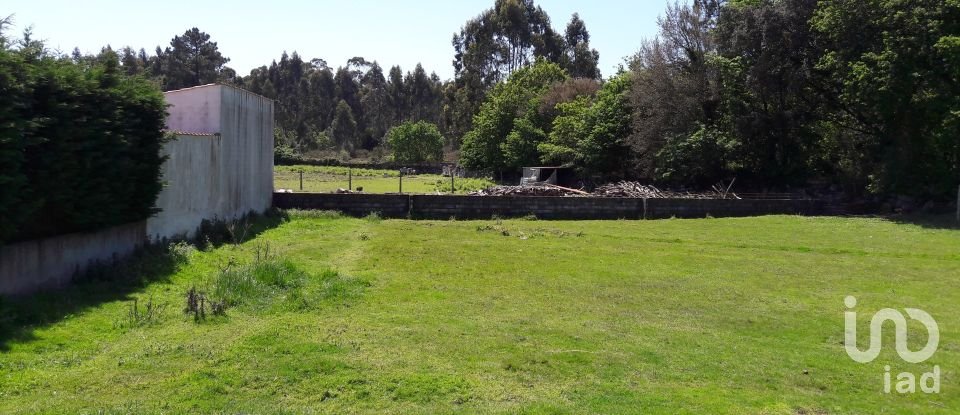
column 253, row 34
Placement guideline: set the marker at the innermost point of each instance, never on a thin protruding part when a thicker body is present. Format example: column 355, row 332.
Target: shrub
column 415, row 143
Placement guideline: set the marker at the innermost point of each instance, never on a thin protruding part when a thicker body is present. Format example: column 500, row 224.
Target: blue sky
column 255, row 33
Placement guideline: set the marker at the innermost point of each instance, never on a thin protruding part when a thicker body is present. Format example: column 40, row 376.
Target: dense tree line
column 79, row 142
column 779, row 92
column 776, row 93
column 348, row 108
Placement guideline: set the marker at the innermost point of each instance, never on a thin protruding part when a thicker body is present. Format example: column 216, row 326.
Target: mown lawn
column 324, row 179
column 674, row 316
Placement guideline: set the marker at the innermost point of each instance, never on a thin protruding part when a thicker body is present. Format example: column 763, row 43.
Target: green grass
column 518, row 316
column 331, row 178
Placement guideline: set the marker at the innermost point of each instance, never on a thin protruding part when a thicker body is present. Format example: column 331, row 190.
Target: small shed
column 557, row 175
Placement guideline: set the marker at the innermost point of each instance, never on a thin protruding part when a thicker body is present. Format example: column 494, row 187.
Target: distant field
column 331, row 178
column 708, row 316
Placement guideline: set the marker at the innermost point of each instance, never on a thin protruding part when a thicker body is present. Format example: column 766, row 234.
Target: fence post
column 350, row 179
column 453, row 187
column 301, row 180
column 401, row 181
column 958, row 204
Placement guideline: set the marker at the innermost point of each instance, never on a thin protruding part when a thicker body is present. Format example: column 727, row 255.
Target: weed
column 137, row 317
column 238, row 231
column 364, row 237
column 530, row 217
column 180, row 252
column 373, row 217
column 498, row 228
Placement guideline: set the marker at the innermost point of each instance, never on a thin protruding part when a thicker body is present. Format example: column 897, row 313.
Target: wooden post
column 958, row 204
column 350, row 179
column 301, row 180
column 453, row 188
column 401, row 181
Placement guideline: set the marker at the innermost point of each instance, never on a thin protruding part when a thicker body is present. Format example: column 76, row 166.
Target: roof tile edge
column 218, row 84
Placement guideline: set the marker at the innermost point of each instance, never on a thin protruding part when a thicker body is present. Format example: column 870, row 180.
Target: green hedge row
column 79, row 144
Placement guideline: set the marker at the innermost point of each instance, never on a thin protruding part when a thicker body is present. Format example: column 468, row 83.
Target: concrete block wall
column 392, row 206
column 699, row 208
column 484, row 207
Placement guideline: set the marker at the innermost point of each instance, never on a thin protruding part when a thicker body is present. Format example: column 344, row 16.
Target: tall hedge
column 79, row 144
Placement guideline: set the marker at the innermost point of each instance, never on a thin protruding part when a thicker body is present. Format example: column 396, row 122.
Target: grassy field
column 330, row 178
column 517, row 316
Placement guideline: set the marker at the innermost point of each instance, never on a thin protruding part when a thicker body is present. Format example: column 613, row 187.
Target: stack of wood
column 635, row 189
column 628, row 189
column 529, row 190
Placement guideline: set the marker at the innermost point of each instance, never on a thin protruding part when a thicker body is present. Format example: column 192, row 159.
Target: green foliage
column 697, row 159
column 191, row 59
column 509, row 127
column 344, row 127
column 893, row 67
column 863, row 93
column 308, row 94
column 415, row 143
column 505, row 38
column 79, row 144
column 591, row 135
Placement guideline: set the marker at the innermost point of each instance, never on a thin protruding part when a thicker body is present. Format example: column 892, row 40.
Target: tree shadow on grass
column 118, row 281
column 928, row 221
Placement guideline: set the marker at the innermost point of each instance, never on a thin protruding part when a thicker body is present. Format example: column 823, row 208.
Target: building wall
column 221, row 165
column 246, row 119
column 30, row 266
column 191, row 187
column 195, row 110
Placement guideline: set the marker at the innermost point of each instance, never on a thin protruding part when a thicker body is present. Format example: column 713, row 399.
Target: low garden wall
column 31, row 266
column 483, row 207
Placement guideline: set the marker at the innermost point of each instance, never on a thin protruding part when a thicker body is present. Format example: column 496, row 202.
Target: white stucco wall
column 221, row 171
column 195, row 110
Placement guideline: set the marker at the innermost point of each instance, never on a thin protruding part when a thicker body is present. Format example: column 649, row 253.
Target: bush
column 415, row 143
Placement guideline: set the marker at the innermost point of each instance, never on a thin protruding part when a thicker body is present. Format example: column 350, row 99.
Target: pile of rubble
column 528, row 190
column 621, row 189
column 635, row 189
